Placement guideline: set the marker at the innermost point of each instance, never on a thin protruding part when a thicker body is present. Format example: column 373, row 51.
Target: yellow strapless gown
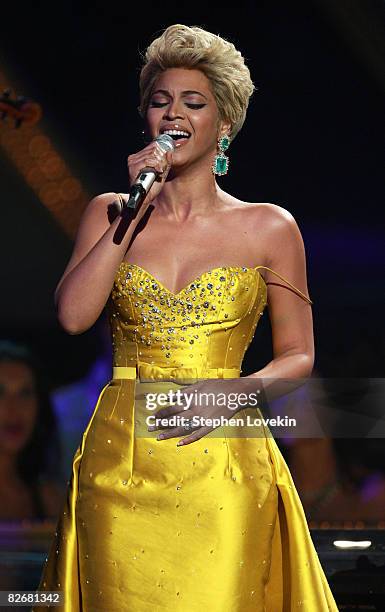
column 216, row 524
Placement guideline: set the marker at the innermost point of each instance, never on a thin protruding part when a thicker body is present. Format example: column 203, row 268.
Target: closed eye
column 189, row 104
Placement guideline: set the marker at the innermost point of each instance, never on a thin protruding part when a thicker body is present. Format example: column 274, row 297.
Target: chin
column 180, row 160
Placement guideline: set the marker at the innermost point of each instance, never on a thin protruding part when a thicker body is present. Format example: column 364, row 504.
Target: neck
column 188, row 193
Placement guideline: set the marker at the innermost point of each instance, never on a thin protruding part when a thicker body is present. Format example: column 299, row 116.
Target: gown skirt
column 216, row 524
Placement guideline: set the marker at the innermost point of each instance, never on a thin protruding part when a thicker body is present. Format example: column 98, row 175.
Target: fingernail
column 160, row 437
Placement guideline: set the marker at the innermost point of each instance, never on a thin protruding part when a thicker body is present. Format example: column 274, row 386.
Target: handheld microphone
column 145, row 178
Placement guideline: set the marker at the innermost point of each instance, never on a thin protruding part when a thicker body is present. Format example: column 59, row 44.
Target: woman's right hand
column 152, row 156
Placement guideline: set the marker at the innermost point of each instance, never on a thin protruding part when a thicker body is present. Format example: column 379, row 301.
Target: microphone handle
column 137, row 195
column 141, row 187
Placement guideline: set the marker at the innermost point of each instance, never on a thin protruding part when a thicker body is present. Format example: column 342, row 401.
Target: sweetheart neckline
column 200, row 276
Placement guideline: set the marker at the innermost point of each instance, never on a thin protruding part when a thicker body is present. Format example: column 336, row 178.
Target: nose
column 174, row 110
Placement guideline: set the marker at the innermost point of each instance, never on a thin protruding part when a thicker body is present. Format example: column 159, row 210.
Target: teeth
column 176, row 133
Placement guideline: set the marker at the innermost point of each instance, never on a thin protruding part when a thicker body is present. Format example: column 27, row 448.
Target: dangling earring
column 221, row 161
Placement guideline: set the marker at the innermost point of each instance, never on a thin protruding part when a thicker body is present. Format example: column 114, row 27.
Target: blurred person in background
column 347, row 482
column 30, row 470
column 74, row 403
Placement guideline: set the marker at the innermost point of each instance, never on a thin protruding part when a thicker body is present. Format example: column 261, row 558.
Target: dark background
column 311, row 143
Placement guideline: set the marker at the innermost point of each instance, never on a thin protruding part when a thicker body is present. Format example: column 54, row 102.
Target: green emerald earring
column 221, row 161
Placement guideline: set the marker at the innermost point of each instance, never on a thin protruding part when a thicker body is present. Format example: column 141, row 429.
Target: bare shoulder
column 278, row 226
column 283, row 245
column 269, row 221
column 267, row 216
column 100, row 207
column 274, row 217
column 97, row 217
column 96, row 220
column 274, row 233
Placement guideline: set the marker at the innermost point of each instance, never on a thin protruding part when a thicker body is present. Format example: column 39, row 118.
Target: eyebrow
column 184, row 93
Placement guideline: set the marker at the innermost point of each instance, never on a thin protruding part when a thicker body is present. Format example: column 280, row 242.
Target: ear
column 224, row 128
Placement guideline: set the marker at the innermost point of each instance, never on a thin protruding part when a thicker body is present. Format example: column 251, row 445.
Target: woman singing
column 194, row 519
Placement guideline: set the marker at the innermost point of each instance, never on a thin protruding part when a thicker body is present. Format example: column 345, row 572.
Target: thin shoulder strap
column 289, row 283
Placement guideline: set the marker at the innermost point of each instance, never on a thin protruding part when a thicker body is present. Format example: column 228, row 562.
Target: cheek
column 152, row 120
column 28, row 413
column 32, row 413
column 206, row 128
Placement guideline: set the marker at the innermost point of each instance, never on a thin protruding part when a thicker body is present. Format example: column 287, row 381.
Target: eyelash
column 189, row 104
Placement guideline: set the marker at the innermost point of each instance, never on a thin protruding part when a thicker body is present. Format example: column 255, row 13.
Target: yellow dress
column 150, row 526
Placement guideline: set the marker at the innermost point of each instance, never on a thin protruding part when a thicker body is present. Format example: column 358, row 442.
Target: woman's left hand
column 233, row 398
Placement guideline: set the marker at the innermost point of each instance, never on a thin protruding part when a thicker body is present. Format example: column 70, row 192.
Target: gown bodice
column 204, row 329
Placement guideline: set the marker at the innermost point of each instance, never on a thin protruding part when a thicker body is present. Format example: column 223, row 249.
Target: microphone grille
column 165, row 142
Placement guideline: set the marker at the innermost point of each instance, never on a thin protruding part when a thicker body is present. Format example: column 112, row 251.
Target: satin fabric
column 151, row 526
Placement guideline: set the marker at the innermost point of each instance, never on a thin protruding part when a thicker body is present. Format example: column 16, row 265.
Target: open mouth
column 177, row 134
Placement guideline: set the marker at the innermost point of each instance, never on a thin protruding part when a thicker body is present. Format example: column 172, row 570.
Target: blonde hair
column 182, row 46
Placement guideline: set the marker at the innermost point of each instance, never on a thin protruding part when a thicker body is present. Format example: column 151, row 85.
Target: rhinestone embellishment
column 145, row 314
